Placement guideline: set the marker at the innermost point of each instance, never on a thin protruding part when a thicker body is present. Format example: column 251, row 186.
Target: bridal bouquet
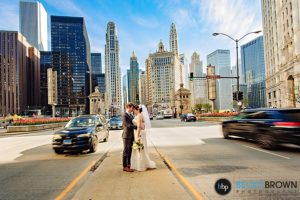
column 137, row 145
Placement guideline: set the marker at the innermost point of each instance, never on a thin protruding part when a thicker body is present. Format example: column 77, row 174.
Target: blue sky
column 142, row 23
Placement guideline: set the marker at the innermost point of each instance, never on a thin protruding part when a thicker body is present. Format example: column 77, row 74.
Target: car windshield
column 190, row 115
column 116, row 119
column 81, row 122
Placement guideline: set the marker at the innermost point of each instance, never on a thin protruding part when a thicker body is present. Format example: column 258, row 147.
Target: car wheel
column 58, row 151
column 266, row 141
column 226, row 132
column 93, row 146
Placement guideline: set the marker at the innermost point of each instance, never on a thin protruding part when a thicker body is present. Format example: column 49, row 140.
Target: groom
column 128, row 136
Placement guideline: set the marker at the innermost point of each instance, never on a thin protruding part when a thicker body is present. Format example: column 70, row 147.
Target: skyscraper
column 173, row 39
column 98, row 78
column 46, row 62
column 221, row 60
column 281, row 27
column 113, row 70
column 253, row 65
column 125, row 87
column 142, row 87
column 34, row 24
column 133, row 80
column 96, row 63
column 20, row 73
column 185, row 70
column 72, row 61
column 198, row 87
column 162, row 78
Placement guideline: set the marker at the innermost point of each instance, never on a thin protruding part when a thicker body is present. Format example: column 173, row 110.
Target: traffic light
column 191, row 76
column 234, row 96
column 240, row 96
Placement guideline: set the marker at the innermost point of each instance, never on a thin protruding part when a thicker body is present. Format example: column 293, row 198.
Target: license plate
column 67, row 141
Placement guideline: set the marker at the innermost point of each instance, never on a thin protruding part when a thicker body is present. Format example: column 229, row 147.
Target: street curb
column 193, row 192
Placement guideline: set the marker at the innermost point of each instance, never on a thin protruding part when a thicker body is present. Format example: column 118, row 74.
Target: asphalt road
column 200, row 153
column 29, row 169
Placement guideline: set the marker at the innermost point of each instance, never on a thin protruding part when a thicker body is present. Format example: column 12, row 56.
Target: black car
column 268, row 127
column 116, row 123
column 188, row 118
column 81, row 133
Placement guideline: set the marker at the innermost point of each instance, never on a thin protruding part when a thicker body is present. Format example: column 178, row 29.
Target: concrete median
column 110, row 182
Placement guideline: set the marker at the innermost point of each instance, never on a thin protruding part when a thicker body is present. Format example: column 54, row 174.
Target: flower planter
column 214, row 119
column 29, row 128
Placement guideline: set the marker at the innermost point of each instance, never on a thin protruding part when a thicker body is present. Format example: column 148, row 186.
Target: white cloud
column 233, row 17
column 9, row 15
column 183, row 19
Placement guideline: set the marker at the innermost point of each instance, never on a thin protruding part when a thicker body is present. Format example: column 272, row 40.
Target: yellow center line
column 74, row 182
column 187, row 185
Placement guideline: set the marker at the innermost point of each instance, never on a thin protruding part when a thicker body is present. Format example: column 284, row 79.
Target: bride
column 140, row 159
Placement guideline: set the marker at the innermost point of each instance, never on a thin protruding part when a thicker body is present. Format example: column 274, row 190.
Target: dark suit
column 128, row 138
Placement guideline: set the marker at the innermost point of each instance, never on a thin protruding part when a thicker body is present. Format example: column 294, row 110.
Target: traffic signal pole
column 237, row 96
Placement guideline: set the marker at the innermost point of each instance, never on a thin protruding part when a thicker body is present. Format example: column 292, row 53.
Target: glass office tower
column 253, row 65
column 72, row 61
column 45, row 63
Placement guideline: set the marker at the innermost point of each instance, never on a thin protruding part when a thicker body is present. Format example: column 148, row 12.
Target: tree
column 207, row 107
column 198, row 107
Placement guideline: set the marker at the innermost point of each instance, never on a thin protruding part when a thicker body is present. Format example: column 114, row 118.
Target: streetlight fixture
column 237, row 55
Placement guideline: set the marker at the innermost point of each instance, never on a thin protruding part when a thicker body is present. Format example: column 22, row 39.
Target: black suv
column 81, row 133
column 268, row 127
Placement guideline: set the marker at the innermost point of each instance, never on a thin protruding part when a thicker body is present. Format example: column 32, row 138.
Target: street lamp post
column 237, row 57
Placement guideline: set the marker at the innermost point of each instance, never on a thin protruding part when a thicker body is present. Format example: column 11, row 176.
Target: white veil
column 146, row 117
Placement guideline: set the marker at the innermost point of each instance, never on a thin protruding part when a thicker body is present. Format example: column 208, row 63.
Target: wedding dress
column 140, row 159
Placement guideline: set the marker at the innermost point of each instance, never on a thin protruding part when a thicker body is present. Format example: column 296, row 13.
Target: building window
column 269, row 95
column 274, row 94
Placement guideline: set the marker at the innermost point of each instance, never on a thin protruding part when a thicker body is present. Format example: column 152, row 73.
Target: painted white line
column 274, row 154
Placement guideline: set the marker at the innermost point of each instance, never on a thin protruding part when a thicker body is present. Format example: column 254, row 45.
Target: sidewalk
column 110, row 182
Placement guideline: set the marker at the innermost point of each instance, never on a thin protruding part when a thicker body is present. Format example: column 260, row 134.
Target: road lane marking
column 181, row 178
column 75, row 181
column 274, row 154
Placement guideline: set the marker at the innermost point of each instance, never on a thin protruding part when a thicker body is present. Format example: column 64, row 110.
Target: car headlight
column 84, row 135
column 56, row 137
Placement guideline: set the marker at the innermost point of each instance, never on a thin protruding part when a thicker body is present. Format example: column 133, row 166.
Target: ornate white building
column 281, row 25
column 173, row 39
column 162, row 78
column 113, row 70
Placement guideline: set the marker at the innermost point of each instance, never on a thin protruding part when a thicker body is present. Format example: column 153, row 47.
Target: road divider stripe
column 75, row 181
column 181, row 178
column 274, row 154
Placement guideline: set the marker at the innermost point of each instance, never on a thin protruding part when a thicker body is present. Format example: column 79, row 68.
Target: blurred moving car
column 116, row 123
column 188, row 117
column 268, row 127
column 159, row 115
column 81, row 133
column 151, row 116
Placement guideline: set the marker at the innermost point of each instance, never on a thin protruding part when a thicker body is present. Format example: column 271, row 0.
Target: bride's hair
column 139, row 108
